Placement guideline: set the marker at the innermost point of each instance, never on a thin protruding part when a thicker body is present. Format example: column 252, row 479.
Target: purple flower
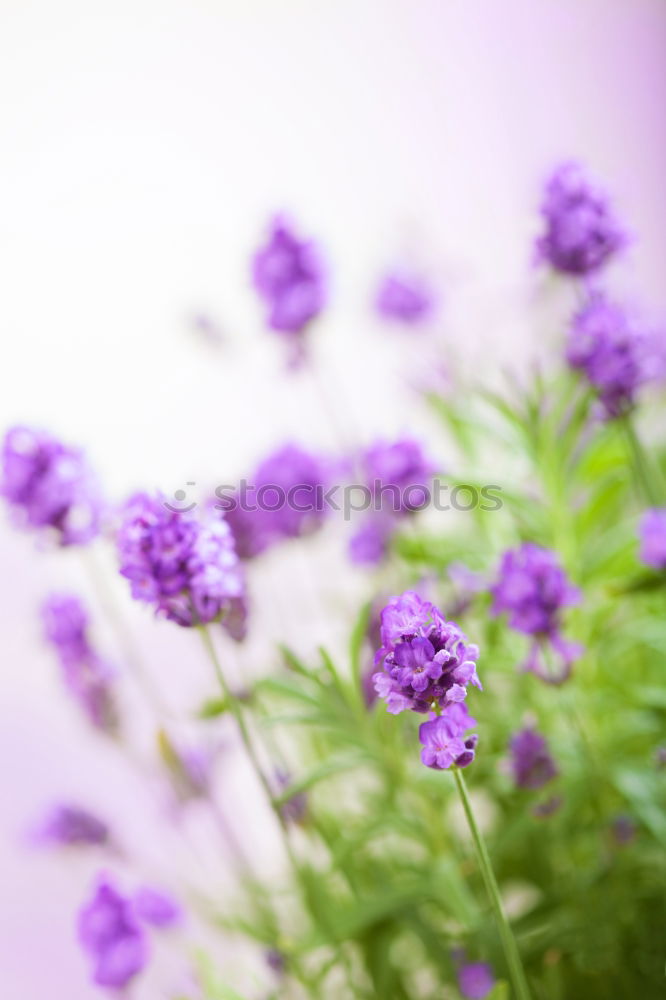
column 86, row 675
column 405, row 300
column 110, row 934
column 443, row 738
column 581, row 232
column 369, row 546
column 653, row 538
column 284, row 499
column 50, row 486
column 533, row 589
column 187, row 568
column 289, row 275
column 615, row 357
column 155, row 907
column 531, row 762
column 623, row 829
column 72, row 826
column 475, row 980
column 426, row 660
column 399, row 475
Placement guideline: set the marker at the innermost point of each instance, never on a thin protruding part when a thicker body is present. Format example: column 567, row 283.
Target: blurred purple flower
column 399, row 475
column 187, row 568
column 614, row 355
column 404, row 299
column 72, row 826
column 370, row 544
column 531, row 762
column 548, row 807
column 426, row 660
column 533, row 589
column 155, row 907
column 293, row 809
column 86, row 675
column 581, row 232
column 287, row 490
column 50, row 486
column 288, row 274
column 652, row 532
column 623, row 829
column 475, row 980
column 110, row 934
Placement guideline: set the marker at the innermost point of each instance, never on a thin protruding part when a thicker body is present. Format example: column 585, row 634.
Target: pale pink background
column 143, row 146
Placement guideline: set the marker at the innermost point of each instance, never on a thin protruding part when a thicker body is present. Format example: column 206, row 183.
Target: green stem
column 508, row 941
column 642, row 468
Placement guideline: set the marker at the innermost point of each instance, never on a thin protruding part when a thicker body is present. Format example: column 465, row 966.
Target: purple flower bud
column 72, row 826
column 615, row 356
column 531, row 762
column 49, row 486
column 581, row 233
column 156, row 908
column 403, row 299
column 475, row 980
column 288, row 274
column 532, row 589
column 112, row 937
column 186, row 568
column 86, row 675
column 653, row 538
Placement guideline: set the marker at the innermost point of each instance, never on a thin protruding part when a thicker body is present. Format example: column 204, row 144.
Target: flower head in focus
column 185, row 567
column 652, row 532
column 112, row 936
column 49, row 486
column 405, row 300
column 615, row 356
column 531, row 763
column 288, row 274
column 427, row 664
column 87, row 676
column 533, row 590
column 581, row 232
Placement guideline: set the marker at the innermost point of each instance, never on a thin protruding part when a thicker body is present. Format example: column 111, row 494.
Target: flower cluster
column 581, row 232
column 404, row 300
column 110, row 932
column 285, row 500
column 531, row 763
column 289, row 275
column 533, row 589
column 653, row 538
column 605, row 345
column 87, row 676
column 398, row 475
column 50, row 486
column 427, row 664
column 187, row 568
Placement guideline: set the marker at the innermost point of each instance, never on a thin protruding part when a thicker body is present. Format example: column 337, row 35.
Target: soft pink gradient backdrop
column 143, row 145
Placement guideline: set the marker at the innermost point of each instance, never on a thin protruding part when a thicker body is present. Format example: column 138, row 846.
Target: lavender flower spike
column 156, row 908
column 427, row 665
column 186, row 568
column 531, row 762
column 581, row 232
column 289, row 275
column 533, row 589
column 49, row 486
column 111, row 935
column 72, row 826
column 653, row 538
column 87, row 676
column 613, row 354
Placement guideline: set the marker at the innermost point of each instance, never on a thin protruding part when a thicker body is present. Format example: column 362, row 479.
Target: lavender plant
column 541, row 873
